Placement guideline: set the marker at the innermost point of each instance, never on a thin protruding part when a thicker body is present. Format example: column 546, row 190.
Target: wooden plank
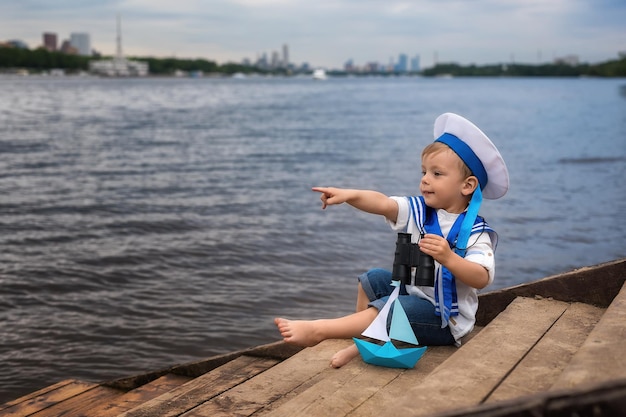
column 138, row 396
column 341, row 391
column 37, row 393
column 85, row 404
column 606, row 399
column 301, row 370
column 46, row 397
column 389, row 394
column 203, row 388
column 467, row 377
column 596, row 285
column 330, row 347
column 545, row 362
column 276, row 350
column 601, row 357
column 338, row 392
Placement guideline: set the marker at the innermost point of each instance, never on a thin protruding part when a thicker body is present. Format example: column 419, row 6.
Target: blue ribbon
column 468, row 222
column 474, row 163
column 467, row 155
column 446, row 300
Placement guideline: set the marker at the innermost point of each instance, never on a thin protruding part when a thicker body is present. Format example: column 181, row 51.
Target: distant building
column 275, row 63
column 349, row 66
column 81, row 42
column 567, row 60
column 119, row 67
column 285, row 56
column 262, row 61
column 16, row 43
column 403, row 63
column 50, row 41
column 67, row 48
column 415, row 64
column 372, row 67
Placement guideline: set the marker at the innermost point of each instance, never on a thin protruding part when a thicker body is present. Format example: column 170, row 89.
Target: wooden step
column 71, row 397
column 601, row 357
column 45, row 398
column 202, row 389
column 543, row 365
column 523, row 349
column 274, row 386
column 470, row 375
column 364, row 390
column 141, row 395
column 84, row 404
column 586, row 385
column 343, row 390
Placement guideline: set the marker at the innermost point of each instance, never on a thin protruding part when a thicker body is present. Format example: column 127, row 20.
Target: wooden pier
column 553, row 347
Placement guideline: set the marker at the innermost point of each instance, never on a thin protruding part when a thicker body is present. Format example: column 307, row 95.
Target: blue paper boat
column 386, row 353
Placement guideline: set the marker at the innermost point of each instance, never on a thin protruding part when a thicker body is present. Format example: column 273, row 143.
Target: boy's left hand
column 436, row 246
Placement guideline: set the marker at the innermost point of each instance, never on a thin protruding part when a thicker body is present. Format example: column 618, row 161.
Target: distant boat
column 319, row 74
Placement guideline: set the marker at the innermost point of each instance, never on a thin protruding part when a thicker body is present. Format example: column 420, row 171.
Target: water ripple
column 151, row 222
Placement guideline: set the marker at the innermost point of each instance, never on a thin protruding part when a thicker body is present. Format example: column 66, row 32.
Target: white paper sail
column 378, row 329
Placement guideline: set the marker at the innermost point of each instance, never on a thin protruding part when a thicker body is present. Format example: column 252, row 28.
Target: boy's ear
column 469, row 185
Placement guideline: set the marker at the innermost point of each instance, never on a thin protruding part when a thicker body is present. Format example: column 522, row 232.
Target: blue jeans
column 421, row 313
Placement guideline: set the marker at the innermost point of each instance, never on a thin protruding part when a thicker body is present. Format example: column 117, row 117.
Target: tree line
column 615, row 68
column 42, row 60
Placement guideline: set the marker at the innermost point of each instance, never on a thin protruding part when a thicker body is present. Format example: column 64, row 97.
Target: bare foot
column 344, row 356
column 299, row 332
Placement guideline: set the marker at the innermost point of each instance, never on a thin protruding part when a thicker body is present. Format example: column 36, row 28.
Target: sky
column 327, row 33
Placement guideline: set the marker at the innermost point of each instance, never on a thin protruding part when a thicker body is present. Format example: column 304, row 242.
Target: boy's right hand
column 365, row 200
column 331, row 196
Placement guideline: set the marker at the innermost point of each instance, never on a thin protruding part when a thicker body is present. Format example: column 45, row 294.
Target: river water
column 150, row 222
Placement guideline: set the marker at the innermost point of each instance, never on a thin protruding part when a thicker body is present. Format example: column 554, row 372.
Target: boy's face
column 443, row 183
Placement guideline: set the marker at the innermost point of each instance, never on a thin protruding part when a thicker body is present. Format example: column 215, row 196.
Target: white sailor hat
column 476, row 150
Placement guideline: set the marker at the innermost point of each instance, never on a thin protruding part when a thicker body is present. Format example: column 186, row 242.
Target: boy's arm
column 471, row 273
column 364, row 200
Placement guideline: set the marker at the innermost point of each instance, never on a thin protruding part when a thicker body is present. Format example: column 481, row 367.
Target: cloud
column 328, row 32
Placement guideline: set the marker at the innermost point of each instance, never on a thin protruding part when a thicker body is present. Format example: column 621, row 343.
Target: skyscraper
column 415, row 64
column 81, row 42
column 50, row 41
column 285, row 56
column 403, row 64
column 118, row 40
column 275, row 63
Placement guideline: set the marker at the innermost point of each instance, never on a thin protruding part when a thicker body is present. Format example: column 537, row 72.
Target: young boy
column 458, row 169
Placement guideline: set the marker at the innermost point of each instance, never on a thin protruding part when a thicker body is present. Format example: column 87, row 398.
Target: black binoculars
column 409, row 255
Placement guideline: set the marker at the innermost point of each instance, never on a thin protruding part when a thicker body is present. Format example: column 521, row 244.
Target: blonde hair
column 437, row 147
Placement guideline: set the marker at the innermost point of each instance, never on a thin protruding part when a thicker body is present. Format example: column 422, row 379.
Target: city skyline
column 330, row 33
